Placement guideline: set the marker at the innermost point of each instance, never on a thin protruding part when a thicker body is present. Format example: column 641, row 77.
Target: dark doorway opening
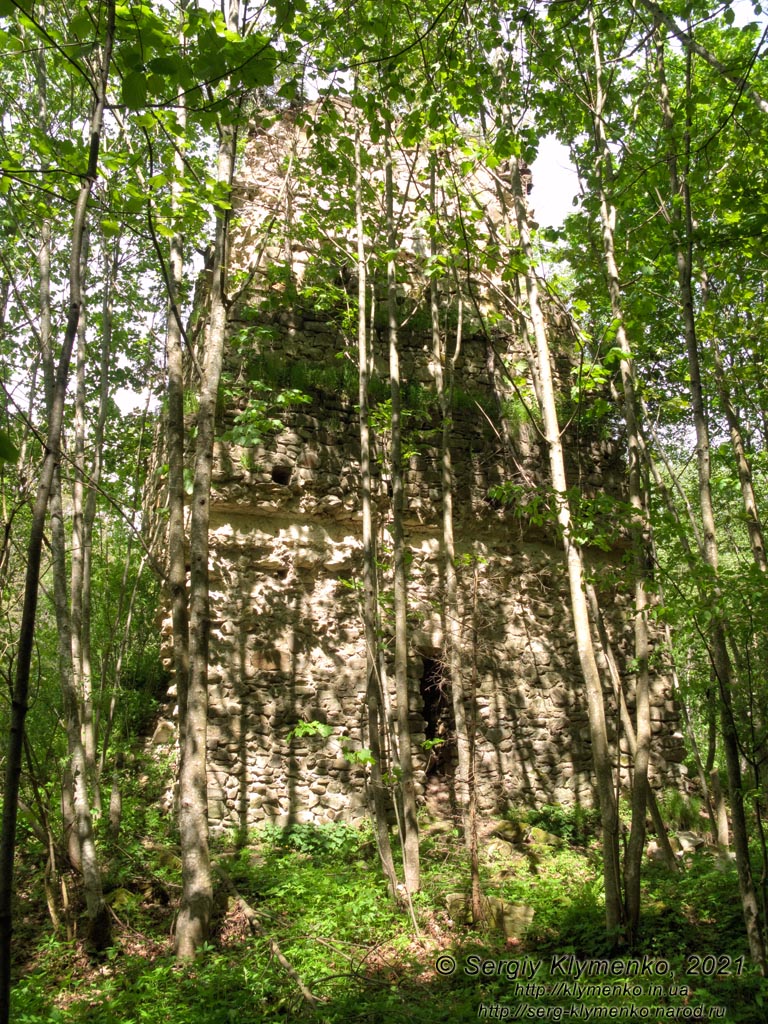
column 439, row 724
column 281, row 475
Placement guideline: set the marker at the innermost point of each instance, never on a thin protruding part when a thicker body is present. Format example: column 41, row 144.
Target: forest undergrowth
column 305, row 931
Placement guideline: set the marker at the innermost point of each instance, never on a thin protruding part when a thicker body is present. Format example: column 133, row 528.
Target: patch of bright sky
column 555, row 183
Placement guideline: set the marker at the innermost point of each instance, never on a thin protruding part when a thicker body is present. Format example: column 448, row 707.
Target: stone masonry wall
column 287, row 646
column 287, row 642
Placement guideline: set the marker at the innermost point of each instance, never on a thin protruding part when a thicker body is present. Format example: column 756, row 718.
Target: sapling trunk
column 638, row 498
column 410, row 827
column 370, row 616
column 194, row 919
column 601, row 752
column 34, row 547
column 682, row 220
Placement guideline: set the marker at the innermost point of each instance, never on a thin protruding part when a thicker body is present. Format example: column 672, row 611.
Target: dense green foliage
column 682, row 176
column 317, row 891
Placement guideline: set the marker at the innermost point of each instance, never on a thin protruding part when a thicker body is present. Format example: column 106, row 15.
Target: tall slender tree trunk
column 703, row 771
column 34, row 548
column 601, row 752
column 743, row 468
column 194, row 919
column 174, row 439
column 83, row 516
column 98, row 915
column 638, row 497
column 75, row 785
column 410, row 827
column 627, row 724
column 443, row 367
column 370, row 603
column 90, row 709
column 77, row 544
column 682, row 221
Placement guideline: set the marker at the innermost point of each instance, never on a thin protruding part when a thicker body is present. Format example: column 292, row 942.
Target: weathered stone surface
column 287, row 643
column 296, row 653
column 164, row 732
column 511, row 919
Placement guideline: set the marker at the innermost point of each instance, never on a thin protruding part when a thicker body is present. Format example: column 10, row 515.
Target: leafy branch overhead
column 8, row 451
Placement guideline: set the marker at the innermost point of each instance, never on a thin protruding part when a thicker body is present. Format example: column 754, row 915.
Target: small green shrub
column 338, row 842
column 577, row 825
column 680, row 811
column 319, row 893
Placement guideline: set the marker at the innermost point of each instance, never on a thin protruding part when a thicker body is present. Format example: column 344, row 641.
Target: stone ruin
column 287, row 642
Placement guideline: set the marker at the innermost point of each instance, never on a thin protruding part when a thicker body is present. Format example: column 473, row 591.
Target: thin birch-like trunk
column 638, row 498
column 77, row 543
column 663, row 490
column 451, row 615
column 601, row 752
column 410, row 827
column 626, row 721
column 67, row 607
column 34, row 547
column 83, row 517
column 88, row 863
column 90, row 714
column 194, row 919
column 370, row 612
column 682, row 221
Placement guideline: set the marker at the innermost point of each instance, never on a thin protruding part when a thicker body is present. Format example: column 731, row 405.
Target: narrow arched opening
column 439, row 724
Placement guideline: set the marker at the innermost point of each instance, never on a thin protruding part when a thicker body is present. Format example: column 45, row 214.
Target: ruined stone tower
column 287, row 641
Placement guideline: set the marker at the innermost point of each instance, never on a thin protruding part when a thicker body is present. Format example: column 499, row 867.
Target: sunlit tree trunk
column 443, row 369
column 88, row 863
column 90, row 711
column 601, row 752
column 76, row 796
column 410, row 827
column 370, row 615
column 640, row 526
column 627, row 724
column 77, row 539
column 194, row 919
column 84, row 491
column 34, row 546
column 702, row 770
column 682, row 222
